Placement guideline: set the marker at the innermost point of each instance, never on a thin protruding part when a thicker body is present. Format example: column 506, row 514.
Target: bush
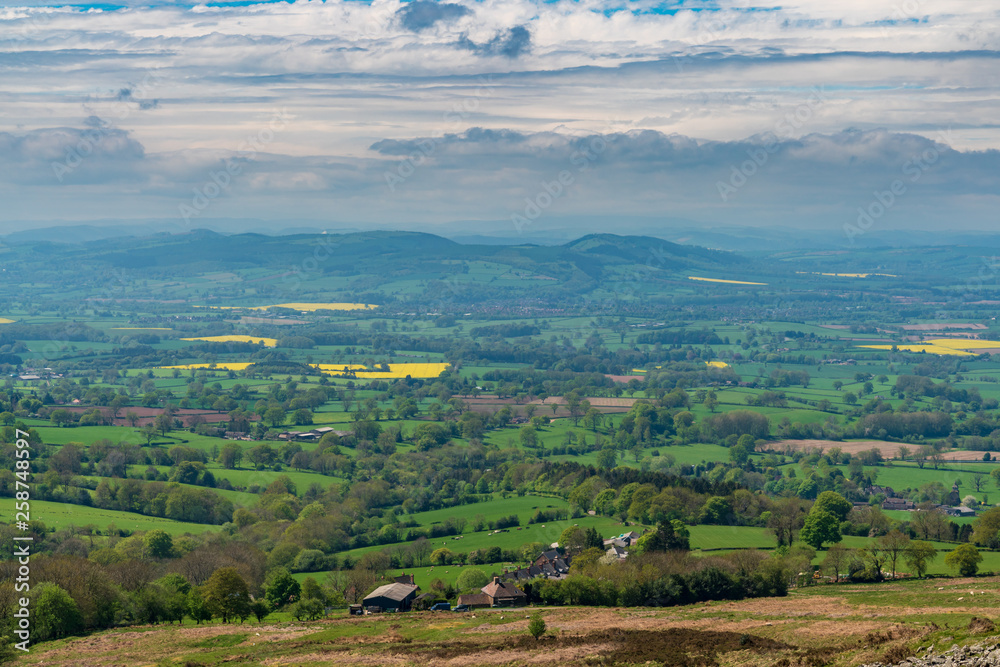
column 55, row 612
column 536, row 626
column 309, row 609
column 309, row 560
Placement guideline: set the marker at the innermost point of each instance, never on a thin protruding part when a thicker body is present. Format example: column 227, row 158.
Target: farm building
column 616, row 552
column 475, row 600
column 504, row 594
column 311, row 436
column 961, row 510
column 397, row 597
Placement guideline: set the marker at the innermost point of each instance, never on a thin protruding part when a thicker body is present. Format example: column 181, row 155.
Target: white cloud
column 351, row 75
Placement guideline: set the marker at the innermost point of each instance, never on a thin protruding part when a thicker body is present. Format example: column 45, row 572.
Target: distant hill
column 390, row 265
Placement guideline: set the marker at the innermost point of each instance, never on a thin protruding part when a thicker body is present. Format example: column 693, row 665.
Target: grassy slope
column 61, row 515
column 827, row 624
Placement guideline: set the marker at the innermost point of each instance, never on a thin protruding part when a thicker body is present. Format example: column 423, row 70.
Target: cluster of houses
column 550, row 565
column 401, row 595
column 893, row 502
column 37, row 374
column 311, row 436
column 617, row 547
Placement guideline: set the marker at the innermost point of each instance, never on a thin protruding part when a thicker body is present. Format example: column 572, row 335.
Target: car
column 461, row 607
column 441, row 606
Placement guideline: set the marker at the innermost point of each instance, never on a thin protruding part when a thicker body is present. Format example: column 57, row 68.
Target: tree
column 985, row 528
column 717, row 510
column 197, row 608
column 158, row 543
column 536, row 626
column 309, row 609
column 260, row 609
column 739, row 455
column 874, row 559
column 668, row 536
column 919, row 555
column 528, row 436
column 834, row 503
column 61, row 417
column 573, row 539
column 593, row 419
column 274, row 416
column 54, row 612
column 230, row 456
column 471, row 578
column 837, row 557
column 441, row 556
column 164, row 423
column 965, row 558
column 850, row 398
column 227, row 594
column 281, row 588
column 302, row 417
column 820, row 527
column 929, row 524
column 895, row 545
column 149, row 432
column 785, row 519
column 607, row 457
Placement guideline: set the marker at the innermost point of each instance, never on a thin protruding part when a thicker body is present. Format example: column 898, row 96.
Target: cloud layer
column 425, row 112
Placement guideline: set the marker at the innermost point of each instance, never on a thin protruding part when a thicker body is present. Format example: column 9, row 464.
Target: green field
column 62, row 515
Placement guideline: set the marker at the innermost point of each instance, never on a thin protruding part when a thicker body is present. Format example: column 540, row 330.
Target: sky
column 503, row 117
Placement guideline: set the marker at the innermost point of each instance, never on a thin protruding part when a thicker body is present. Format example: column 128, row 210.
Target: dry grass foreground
column 828, row 625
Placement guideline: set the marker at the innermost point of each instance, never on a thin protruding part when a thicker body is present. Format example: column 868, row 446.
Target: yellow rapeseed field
column 720, row 280
column 396, row 371
column 4, row 320
column 952, row 346
column 850, row 275
column 269, row 342
column 220, row 366
column 717, row 364
column 310, row 307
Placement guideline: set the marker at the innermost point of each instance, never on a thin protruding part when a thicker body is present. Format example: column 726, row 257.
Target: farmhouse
column 624, row 540
column 397, row 597
column 898, row 504
column 617, row 552
column 502, row 594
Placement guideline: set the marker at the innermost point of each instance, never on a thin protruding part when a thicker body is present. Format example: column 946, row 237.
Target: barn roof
column 398, row 592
